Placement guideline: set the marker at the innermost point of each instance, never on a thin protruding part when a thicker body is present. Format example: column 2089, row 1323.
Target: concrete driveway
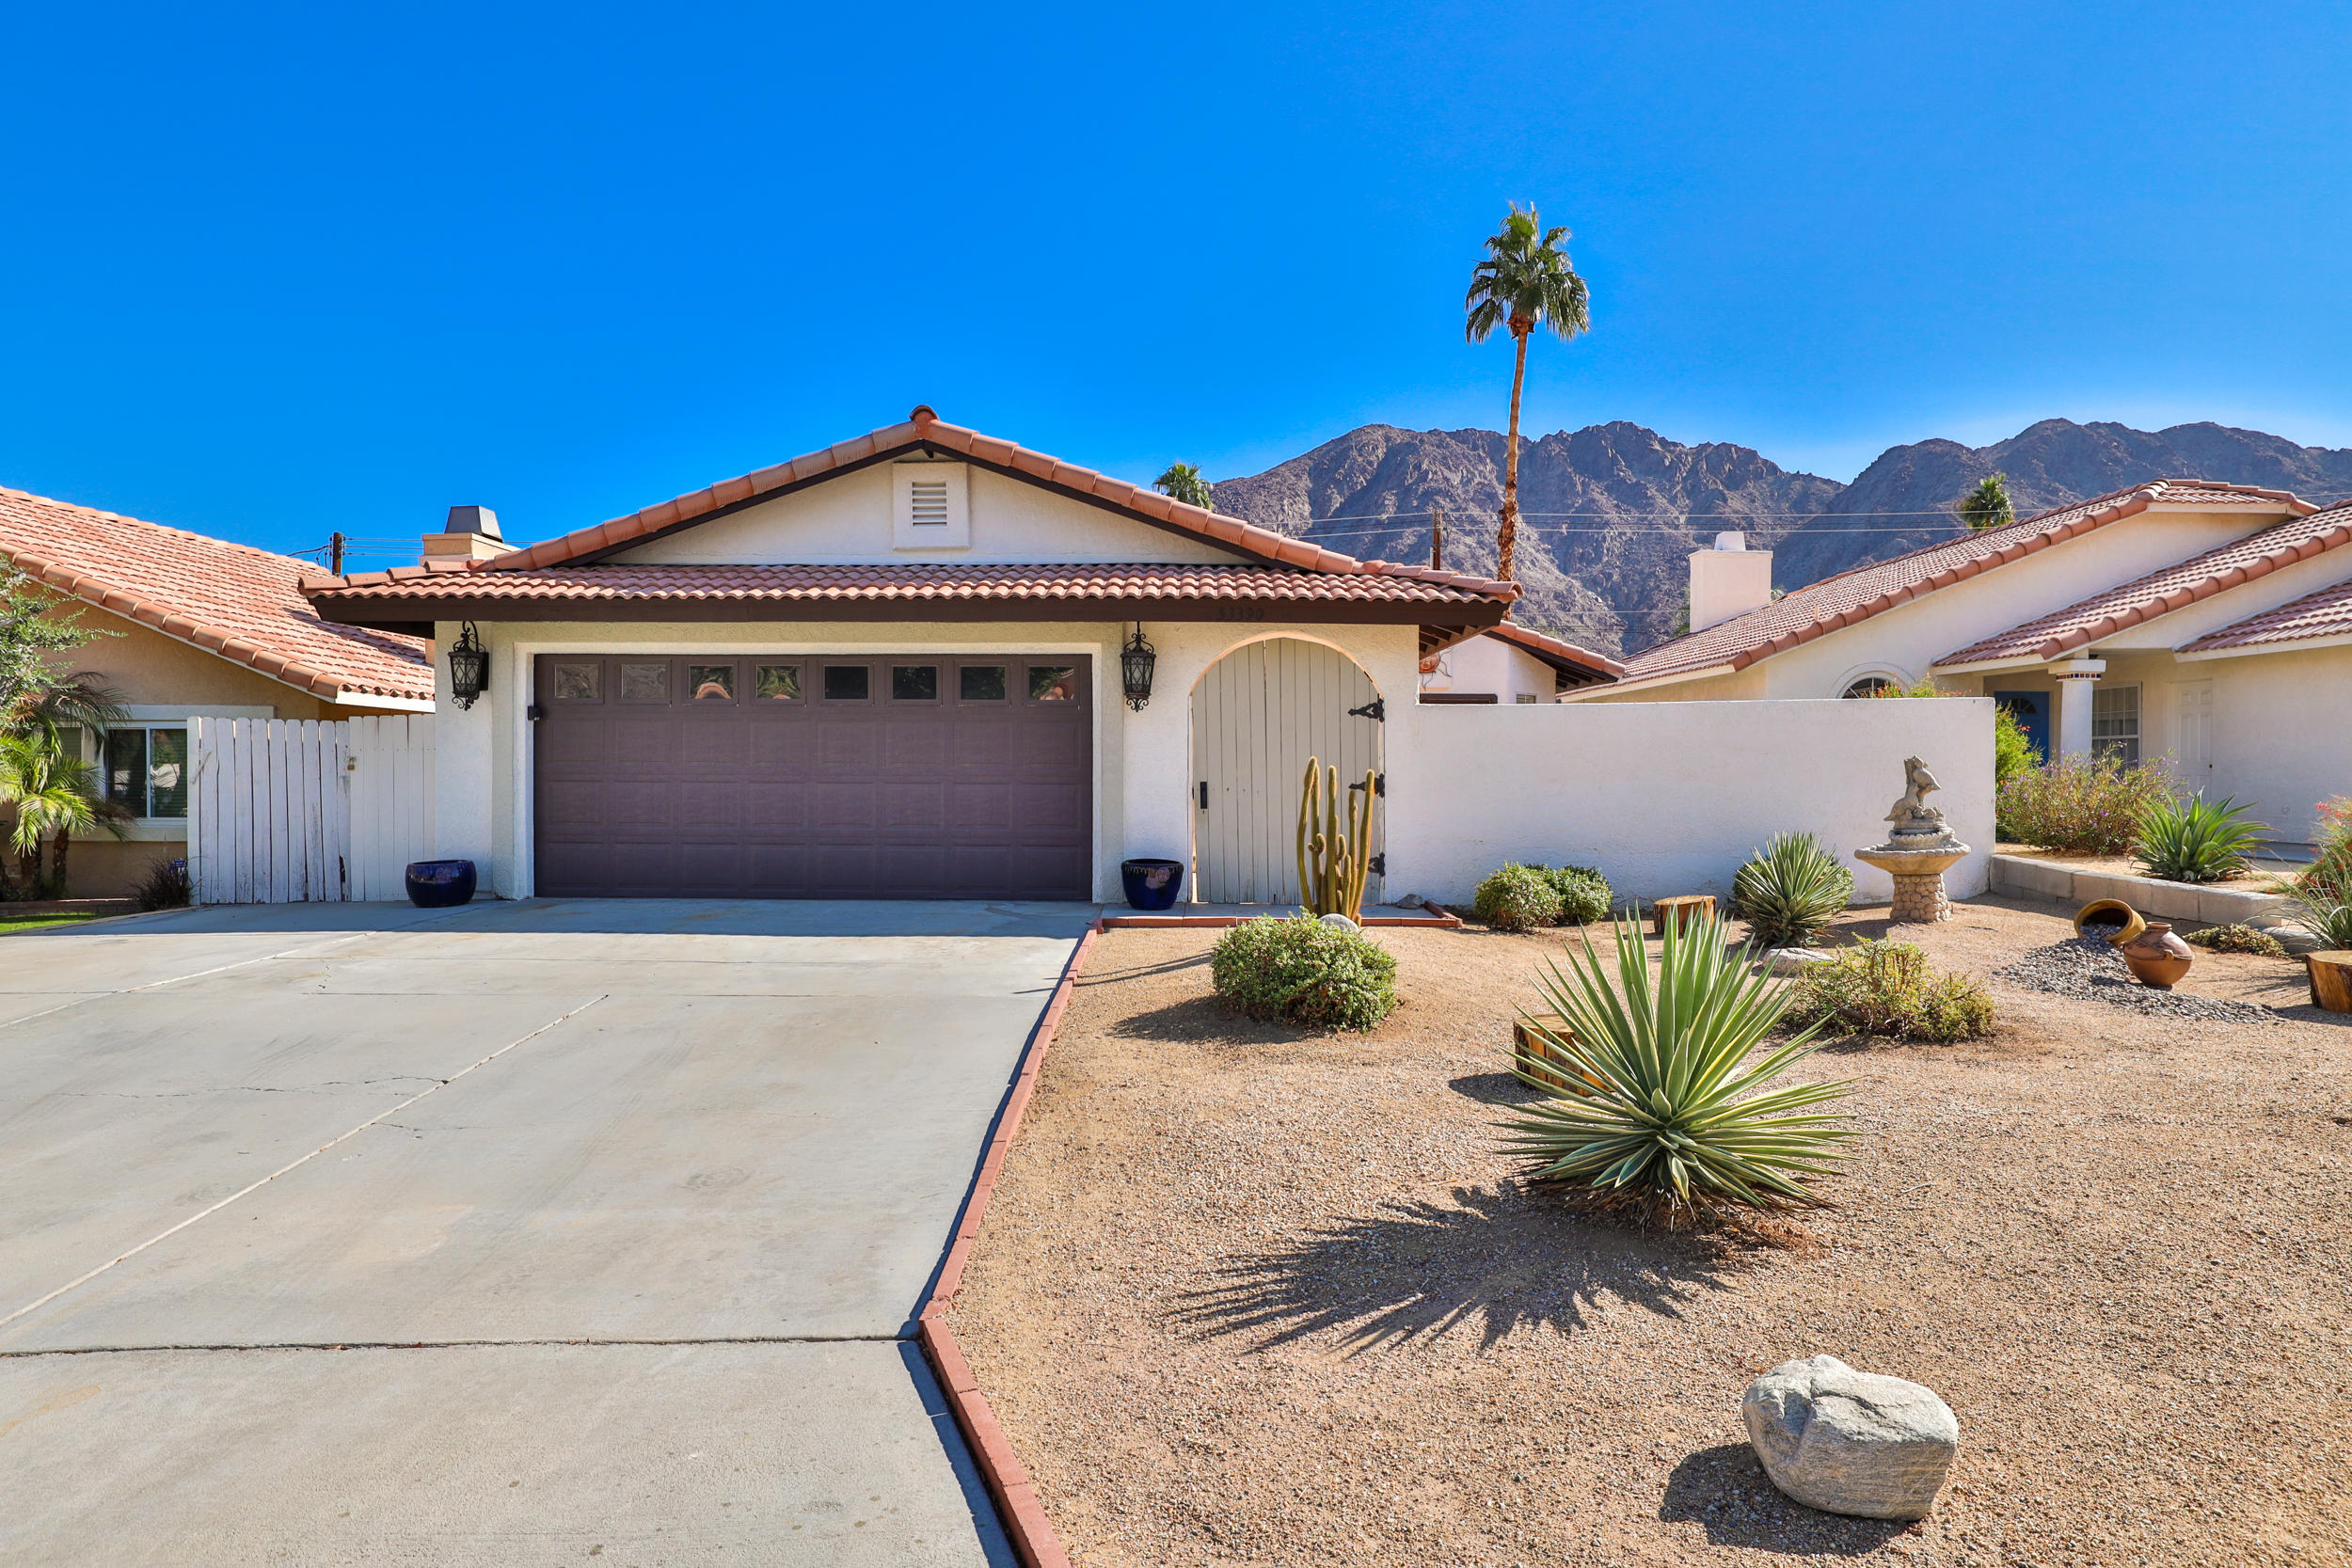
column 539, row 1232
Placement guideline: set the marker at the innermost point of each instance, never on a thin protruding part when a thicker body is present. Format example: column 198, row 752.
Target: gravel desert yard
column 1245, row 1295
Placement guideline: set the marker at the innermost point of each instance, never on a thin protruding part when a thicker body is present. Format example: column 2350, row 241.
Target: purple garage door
column 889, row 776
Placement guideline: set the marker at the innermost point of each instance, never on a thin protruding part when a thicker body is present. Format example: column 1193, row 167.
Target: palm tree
column 1526, row 279
column 1183, row 482
column 48, row 705
column 52, row 793
column 1987, row 505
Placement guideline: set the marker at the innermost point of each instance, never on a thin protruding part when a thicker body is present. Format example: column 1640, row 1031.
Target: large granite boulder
column 1848, row 1442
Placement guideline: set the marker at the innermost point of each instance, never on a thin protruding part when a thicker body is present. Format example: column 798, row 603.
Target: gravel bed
column 1245, row 1296
column 2090, row 966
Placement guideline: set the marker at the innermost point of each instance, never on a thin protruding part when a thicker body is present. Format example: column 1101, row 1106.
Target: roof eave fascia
column 2280, row 645
column 1644, row 683
column 1993, row 666
column 368, row 700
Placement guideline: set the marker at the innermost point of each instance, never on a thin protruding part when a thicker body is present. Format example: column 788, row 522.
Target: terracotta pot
column 2158, row 958
column 2111, row 911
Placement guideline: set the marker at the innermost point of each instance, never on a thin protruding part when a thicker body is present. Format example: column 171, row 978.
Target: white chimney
column 1729, row 580
column 472, row 534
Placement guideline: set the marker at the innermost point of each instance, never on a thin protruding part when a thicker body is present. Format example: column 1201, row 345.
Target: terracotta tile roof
column 1565, row 656
column 2326, row 614
column 907, row 586
column 925, row 428
column 1834, row 603
column 243, row 604
column 2241, row 561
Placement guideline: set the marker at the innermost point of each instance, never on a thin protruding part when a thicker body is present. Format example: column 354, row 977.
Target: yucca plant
column 2323, row 907
column 1681, row 1126
column 1790, row 892
column 2196, row 840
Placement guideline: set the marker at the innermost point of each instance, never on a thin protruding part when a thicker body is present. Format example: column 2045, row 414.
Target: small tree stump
column 1680, row 911
column 2331, row 981
column 1538, row 1064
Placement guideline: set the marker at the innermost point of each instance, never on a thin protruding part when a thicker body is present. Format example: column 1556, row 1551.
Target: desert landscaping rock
column 1850, row 1442
column 2091, row 967
column 1792, row 960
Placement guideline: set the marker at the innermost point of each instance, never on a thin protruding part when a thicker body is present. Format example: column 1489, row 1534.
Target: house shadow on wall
column 1500, row 1259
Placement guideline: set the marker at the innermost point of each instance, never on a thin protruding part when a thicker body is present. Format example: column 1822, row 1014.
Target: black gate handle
column 1205, row 795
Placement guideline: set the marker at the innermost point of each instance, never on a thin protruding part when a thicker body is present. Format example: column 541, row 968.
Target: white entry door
column 2192, row 740
column 1257, row 716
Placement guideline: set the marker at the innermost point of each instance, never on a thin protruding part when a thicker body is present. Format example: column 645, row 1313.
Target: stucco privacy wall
column 1668, row 797
column 1143, row 761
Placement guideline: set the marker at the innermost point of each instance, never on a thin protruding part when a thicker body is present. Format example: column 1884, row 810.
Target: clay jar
column 2158, row 958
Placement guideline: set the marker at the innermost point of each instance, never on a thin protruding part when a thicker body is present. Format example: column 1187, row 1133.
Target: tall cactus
column 1332, row 864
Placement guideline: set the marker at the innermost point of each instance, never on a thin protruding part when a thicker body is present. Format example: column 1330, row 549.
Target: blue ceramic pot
column 438, row 884
column 1151, row 884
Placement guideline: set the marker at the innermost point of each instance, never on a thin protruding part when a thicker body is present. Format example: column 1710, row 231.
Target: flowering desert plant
column 1678, row 1124
column 2087, row 805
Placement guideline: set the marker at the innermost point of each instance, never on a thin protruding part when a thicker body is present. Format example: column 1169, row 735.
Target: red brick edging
column 1025, row 1524
column 1444, row 922
column 1030, row 1532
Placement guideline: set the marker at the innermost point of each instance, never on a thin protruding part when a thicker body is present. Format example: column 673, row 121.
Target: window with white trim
column 2115, row 723
column 145, row 769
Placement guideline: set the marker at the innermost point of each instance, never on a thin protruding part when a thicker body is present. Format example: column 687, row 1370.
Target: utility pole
column 1437, row 538
column 334, row 554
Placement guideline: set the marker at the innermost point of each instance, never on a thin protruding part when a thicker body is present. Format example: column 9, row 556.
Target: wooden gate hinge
column 1379, row 784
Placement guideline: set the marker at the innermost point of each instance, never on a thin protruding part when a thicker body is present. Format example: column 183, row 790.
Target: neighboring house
column 915, row 645
column 1511, row 664
column 2204, row 623
column 201, row 626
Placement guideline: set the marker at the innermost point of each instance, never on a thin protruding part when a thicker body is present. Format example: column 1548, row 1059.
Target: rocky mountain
column 1609, row 513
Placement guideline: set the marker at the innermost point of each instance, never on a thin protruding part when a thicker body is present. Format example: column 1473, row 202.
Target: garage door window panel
column 980, row 683
column 848, row 683
column 1052, row 683
column 644, row 683
column 579, row 683
column 711, row 683
column 915, row 683
column 778, row 683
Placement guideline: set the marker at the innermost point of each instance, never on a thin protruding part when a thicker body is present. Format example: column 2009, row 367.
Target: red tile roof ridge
column 2161, row 592
column 1741, row 642
column 925, row 427
column 237, row 601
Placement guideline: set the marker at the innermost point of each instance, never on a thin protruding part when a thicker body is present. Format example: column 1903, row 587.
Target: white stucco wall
column 2283, row 731
column 1670, row 798
column 1490, row 664
column 847, row 519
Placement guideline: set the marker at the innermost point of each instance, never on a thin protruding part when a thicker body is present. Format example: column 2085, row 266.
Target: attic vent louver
column 930, row 506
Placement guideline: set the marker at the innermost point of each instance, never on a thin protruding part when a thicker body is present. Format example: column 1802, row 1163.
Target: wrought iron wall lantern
column 1135, row 664
column 469, row 668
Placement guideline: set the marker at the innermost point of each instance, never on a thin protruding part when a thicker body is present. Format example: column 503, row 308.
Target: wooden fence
column 286, row 811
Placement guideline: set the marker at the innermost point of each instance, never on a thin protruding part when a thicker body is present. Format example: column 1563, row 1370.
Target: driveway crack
column 438, row 1084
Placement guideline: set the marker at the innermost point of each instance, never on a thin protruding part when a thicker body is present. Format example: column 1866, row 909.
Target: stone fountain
column 1919, row 850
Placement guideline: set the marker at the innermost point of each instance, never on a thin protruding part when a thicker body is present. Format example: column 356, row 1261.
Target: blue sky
column 276, row 271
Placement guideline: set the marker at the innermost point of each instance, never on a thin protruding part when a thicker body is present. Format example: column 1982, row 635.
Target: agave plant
column 1791, row 891
column 2196, row 840
column 1680, row 1124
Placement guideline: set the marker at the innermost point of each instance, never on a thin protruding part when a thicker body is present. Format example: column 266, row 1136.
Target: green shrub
column 1302, row 971
column 2195, row 840
column 1677, row 1129
column 1585, row 893
column 1790, row 892
column 1517, row 897
column 2334, row 864
column 2012, row 750
column 2236, row 939
column 1886, row 987
column 2323, row 907
column 165, row 886
column 2084, row 805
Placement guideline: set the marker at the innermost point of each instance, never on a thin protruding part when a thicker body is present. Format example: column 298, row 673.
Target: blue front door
column 2033, row 716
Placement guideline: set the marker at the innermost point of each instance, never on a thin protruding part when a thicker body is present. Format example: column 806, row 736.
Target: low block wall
column 2162, row 900
column 1671, row 797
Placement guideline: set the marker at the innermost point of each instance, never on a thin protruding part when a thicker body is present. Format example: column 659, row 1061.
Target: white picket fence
column 287, row 811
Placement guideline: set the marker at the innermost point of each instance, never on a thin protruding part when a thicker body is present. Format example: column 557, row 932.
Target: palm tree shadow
column 1506, row 1258
column 1726, row 1490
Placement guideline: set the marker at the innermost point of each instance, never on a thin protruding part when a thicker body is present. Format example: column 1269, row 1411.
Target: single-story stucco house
column 2203, row 623
column 922, row 645
column 189, row 627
